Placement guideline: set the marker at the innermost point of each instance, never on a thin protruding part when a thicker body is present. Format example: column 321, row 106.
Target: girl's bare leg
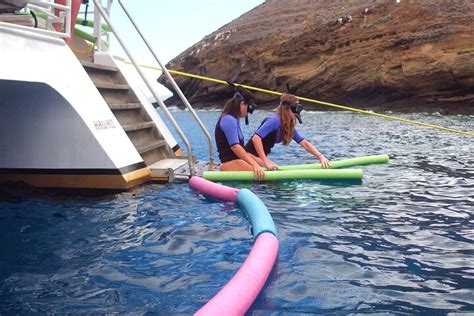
column 236, row 165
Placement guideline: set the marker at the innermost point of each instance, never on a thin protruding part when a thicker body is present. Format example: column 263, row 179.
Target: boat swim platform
column 177, row 170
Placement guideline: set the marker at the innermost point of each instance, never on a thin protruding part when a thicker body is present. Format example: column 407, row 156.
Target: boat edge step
column 149, row 147
column 137, row 127
column 125, row 106
column 111, row 86
column 88, row 64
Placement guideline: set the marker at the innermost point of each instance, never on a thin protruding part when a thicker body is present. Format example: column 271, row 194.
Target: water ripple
column 401, row 242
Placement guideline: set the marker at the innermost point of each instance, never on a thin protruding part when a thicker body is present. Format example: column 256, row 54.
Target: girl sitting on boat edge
column 229, row 137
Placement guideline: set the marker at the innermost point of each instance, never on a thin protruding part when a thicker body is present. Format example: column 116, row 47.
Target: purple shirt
column 273, row 123
column 231, row 128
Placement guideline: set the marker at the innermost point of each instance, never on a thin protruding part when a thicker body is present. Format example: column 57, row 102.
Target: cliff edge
column 367, row 54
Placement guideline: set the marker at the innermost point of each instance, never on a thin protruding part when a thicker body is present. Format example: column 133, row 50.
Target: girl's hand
column 258, row 171
column 324, row 161
column 270, row 165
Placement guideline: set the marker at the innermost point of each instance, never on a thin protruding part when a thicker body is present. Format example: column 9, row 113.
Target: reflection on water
column 402, row 241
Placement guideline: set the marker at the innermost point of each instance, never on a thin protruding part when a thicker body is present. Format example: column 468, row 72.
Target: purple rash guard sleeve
column 230, row 127
column 297, row 137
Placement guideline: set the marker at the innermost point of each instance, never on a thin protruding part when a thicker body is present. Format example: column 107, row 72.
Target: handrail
column 175, row 86
column 99, row 7
column 47, row 8
column 65, row 9
column 98, row 30
column 35, row 30
column 46, row 4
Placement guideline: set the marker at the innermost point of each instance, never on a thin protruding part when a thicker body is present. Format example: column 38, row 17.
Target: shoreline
column 393, row 107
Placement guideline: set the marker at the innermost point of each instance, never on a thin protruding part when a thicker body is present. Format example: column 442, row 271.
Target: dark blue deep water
column 401, row 242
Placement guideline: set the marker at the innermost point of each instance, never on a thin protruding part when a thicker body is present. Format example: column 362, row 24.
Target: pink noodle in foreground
column 238, row 294
column 215, row 190
column 236, row 297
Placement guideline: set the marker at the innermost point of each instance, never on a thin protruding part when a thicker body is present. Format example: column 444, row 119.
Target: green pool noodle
column 323, row 174
column 89, row 23
column 84, row 35
column 359, row 161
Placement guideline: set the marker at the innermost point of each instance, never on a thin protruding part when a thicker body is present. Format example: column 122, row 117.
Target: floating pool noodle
column 214, row 190
column 257, row 212
column 236, row 297
column 323, row 174
column 359, row 161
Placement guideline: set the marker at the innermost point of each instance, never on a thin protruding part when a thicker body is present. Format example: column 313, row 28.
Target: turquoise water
column 400, row 242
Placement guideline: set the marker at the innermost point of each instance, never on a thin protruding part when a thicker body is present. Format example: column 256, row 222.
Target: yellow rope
column 451, row 130
column 89, row 51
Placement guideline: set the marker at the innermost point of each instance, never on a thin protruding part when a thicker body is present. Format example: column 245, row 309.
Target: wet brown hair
column 287, row 119
column 232, row 106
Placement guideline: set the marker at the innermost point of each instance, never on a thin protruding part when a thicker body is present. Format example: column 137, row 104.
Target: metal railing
column 103, row 13
column 47, row 9
column 98, row 30
column 175, row 86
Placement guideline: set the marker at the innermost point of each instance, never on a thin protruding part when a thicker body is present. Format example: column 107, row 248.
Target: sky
column 170, row 26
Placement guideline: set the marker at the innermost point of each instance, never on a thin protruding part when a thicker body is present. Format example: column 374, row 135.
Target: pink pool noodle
column 236, row 297
column 215, row 190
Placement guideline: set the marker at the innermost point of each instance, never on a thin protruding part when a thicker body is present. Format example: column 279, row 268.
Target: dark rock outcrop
column 359, row 53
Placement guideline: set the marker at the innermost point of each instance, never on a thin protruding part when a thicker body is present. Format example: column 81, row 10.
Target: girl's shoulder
column 271, row 122
column 229, row 119
column 275, row 119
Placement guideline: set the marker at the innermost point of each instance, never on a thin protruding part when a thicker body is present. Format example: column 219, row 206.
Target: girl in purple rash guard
column 280, row 127
column 229, row 137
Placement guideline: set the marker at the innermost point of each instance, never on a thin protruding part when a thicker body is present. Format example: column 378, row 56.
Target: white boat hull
column 56, row 130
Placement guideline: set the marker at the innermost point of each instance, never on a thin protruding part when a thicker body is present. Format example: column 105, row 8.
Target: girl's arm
column 310, row 148
column 230, row 127
column 240, row 152
column 257, row 143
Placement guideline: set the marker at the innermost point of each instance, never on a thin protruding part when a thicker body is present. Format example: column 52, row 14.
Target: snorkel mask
column 295, row 108
column 251, row 106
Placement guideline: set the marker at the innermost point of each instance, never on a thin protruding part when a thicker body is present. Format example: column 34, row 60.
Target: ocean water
column 401, row 242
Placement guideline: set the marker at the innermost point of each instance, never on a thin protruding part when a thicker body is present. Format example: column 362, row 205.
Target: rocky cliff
column 359, row 53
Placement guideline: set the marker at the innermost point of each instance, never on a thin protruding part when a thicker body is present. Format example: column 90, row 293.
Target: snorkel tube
column 251, row 106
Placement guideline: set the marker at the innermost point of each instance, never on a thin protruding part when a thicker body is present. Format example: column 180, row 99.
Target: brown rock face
column 358, row 53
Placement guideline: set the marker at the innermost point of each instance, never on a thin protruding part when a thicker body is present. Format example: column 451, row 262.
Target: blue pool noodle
column 257, row 212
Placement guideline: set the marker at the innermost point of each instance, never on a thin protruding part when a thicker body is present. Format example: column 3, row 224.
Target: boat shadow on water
column 19, row 191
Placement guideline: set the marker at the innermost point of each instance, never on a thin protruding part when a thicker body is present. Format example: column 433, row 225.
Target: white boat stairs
column 161, row 160
column 145, row 135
